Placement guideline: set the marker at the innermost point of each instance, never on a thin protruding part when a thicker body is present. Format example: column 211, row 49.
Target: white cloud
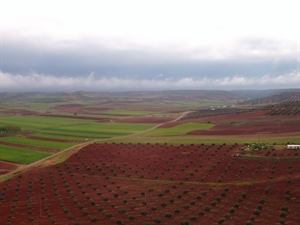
column 195, row 30
column 42, row 82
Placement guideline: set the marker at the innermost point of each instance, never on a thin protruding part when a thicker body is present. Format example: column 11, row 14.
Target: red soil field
column 227, row 118
column 247, row 129
column 22, row 112
column 150, row 184
column 99, row 119
column 144, row 120
column 6, row 167
column 50, row 139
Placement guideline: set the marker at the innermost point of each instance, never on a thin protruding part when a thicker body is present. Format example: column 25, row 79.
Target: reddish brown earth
column 50, row 139
column 29, row 147
column 99, row 119
column 247, row 129
column 137, row 184
column 72, row 108
column 6, row 167
column 22, row 112
column 227, row 119
column 144, row 120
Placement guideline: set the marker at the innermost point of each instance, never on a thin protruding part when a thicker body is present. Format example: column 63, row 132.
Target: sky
column 149, row 45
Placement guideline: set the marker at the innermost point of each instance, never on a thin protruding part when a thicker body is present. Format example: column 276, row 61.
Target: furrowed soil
column 150, row 184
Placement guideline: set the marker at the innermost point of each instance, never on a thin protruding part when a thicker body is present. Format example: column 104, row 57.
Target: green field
column 19, row 155
column 178, row 130
column 76, row 127
column 37, row 143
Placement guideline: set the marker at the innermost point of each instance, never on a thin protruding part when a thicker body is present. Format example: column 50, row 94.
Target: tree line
column 10, row 129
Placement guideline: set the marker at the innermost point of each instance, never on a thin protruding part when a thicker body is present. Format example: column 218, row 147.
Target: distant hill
column 246, row 96
column 255, row 94
column 132, row 95
column 275, row 96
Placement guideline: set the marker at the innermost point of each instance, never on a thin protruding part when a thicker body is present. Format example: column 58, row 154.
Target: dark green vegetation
column 10, row 129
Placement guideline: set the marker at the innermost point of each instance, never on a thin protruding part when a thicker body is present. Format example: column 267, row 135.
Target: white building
column 293, row 146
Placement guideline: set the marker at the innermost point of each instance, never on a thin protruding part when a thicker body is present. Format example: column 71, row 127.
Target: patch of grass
column 22, row 156
column 101, row 129
column 178, row 130
column 36, row 143
column 75, row 127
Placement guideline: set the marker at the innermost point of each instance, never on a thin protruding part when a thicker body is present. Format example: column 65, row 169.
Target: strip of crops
column 59, row 136
column 19, row 155
column 101, row 129
column 41, row 122
column 178, row 130
column 36, row 143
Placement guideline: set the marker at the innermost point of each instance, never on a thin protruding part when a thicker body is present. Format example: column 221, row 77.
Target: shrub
column 93, row 219
column 224, row 194
column 184, row 223
column 207, row 208
column 218, row 198
column 163, row 204
column 282, row 221
column 256, row 212
column 85, row 213
column 260, row 206
column 236, row 205
column 144, row 213
column 122, row 211
column 177, row 210
column 157, row 220
column 100, row 209
column 131, row 217
column 214, row 203
column 227, row 216
column 193, row 218
column 244, row 195
column 252, row 218
column 168, row 215
column 283, row 214
column 221, row 220
column 232, row 210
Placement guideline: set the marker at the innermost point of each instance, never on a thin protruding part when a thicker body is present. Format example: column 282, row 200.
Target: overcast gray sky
column 149, row 45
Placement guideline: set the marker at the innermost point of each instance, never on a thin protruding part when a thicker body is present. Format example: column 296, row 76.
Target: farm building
column 293, row 146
